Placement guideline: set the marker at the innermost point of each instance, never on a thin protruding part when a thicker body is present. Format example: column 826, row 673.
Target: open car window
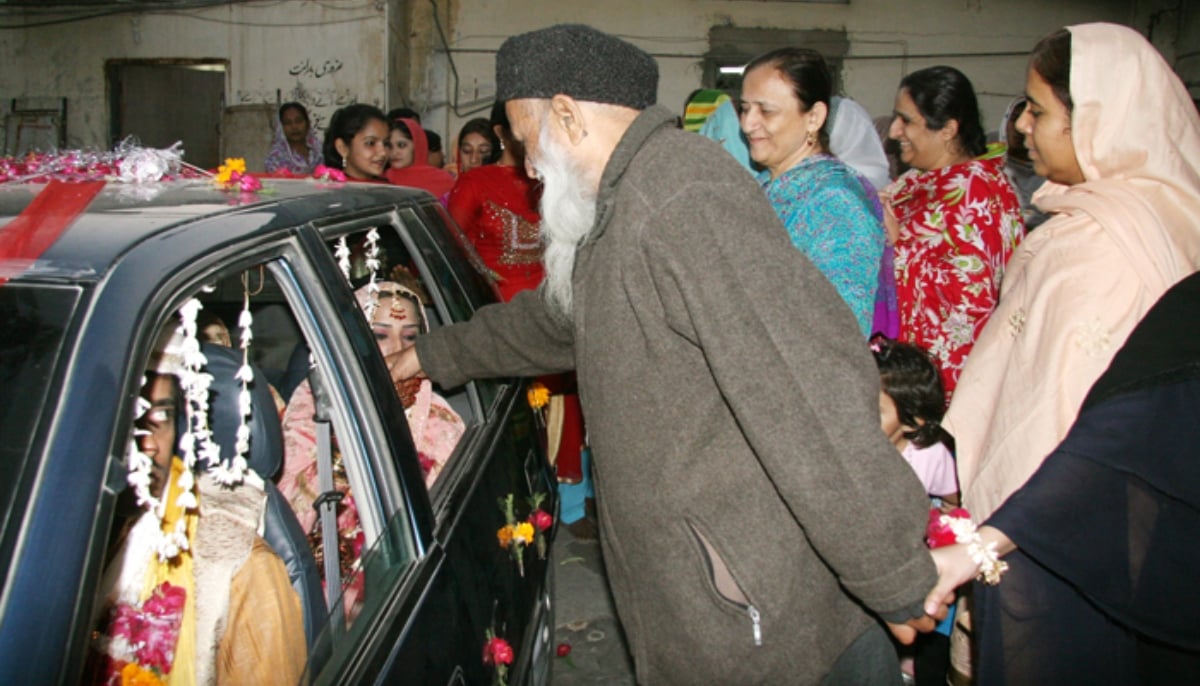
column 394, row 280
column 296, row 495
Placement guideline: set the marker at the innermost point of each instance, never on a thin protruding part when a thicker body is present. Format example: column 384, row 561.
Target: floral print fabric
column 958, row 227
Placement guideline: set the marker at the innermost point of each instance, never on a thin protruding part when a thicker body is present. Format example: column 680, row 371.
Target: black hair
column 499, row 116
column 404, row 113
column 344, row 126
column 483, row 127
column 911, row 379
column 434, row 140
column 809, row 75
column 1051, row 59
column 398, row 125
column 1014, row 139
column 944, row 93
column 294, row 106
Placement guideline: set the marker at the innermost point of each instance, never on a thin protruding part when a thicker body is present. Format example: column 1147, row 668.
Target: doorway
column 164, row 101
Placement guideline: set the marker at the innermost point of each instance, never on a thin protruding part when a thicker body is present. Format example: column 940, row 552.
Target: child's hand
column 949, row 502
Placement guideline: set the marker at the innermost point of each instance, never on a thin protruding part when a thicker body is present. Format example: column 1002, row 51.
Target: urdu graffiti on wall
column 308, row 67
column 321, row 102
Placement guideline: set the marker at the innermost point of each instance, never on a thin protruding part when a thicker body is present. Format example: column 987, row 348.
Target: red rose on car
column 541, row 520
column 497, row 651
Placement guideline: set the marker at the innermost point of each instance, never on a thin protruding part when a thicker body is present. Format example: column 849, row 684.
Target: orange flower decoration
column 538, row 395
column 135, row 675
column 505, row 535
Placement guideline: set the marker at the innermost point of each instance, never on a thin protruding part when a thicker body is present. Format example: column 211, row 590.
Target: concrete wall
column 987, row 39
column 323, row 54
column 438, row 56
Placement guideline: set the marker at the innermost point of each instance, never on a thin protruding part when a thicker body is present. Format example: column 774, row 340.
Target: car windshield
column 35, row 324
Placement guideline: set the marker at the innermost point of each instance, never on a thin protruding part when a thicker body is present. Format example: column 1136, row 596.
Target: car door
column 464, row 587
column 421, row 582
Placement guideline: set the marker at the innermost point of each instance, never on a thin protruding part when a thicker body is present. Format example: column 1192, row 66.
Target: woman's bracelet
column 984, row 555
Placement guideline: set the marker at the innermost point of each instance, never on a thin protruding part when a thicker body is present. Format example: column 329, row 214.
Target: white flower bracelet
column 984, row 555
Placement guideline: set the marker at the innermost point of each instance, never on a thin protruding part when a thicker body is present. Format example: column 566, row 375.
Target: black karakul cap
column 578, row 61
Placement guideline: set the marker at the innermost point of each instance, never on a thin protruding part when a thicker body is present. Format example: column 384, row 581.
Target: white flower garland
column 140, row 464
column 342, row 252
column 234, row 471
column 373, row 267
column 984, row 556
column 196, row 443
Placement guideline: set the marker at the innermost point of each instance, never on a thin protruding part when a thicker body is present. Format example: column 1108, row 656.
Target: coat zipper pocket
column 724, row 583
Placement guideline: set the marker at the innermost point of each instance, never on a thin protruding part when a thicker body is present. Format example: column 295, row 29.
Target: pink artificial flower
column 540, row 519
column 249, row 184
column 324, row 173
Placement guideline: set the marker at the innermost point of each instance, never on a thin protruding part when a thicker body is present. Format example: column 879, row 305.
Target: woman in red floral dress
column 953, row 217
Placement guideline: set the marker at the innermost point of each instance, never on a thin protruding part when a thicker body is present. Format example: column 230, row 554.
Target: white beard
column 568, row 213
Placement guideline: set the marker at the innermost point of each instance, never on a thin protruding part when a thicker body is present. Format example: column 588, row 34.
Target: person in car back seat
column 195, row 596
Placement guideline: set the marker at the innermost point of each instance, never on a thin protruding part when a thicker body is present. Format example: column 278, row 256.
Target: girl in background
column 911, row 404
column 356, row 142
column 496, row 206
column 477, row 145
column 417, row 173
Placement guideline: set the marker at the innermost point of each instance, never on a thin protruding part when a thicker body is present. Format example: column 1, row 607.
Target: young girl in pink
column 911, row 404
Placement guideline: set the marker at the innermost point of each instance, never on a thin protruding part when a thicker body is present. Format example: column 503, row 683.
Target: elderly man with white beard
column 756, row 524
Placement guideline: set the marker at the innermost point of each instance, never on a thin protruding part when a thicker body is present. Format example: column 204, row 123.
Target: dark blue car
column 84, row 302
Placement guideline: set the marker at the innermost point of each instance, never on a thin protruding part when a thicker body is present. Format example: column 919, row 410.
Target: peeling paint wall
column 323, row 54
column 987, row 39
column 437, row 56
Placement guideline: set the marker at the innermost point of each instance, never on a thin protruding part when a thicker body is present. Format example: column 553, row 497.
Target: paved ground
column 585, row 618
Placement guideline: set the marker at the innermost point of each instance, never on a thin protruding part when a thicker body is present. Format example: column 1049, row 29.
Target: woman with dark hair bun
column 953, row 217
column 831, row 212
column 356, row 142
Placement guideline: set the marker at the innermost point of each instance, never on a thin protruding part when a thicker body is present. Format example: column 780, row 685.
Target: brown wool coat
column 729, row 398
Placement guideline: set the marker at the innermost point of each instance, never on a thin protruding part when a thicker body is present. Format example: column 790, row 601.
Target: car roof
column 124, row 215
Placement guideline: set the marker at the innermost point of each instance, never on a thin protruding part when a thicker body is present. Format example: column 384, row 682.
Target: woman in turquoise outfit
column 831, row 213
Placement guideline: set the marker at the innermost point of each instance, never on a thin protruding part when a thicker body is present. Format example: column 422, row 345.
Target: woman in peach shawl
column 1117, row 136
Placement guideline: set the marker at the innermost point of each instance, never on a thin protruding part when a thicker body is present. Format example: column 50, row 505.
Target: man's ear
column 565, row 112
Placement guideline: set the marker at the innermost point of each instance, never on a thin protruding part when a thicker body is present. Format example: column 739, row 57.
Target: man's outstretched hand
column 403, row 364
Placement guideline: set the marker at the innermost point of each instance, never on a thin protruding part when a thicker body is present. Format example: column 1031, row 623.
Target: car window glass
column 460, row 272
column 35, row 323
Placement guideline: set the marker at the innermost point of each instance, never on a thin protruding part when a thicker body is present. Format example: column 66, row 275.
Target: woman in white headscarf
column 1114, row 131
